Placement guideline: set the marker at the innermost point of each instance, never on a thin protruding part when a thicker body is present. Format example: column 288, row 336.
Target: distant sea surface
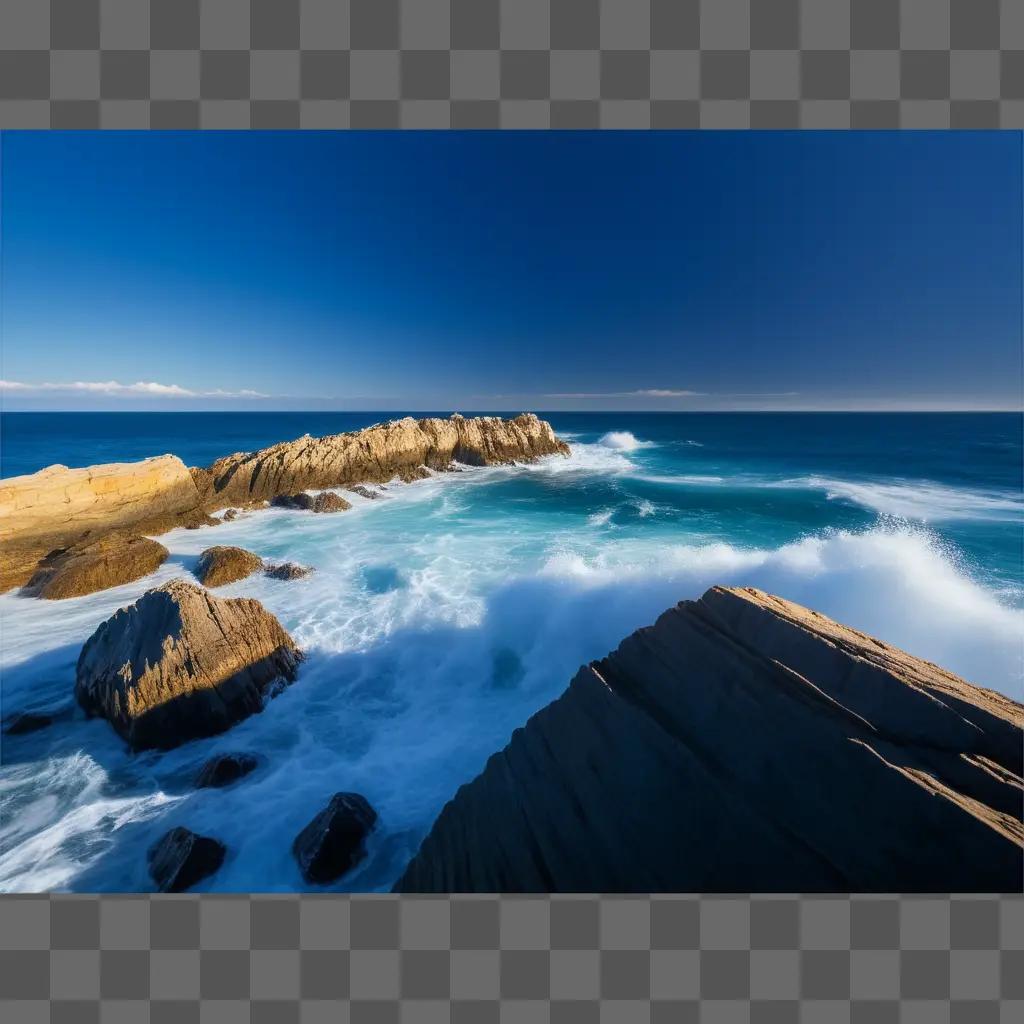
column 440, row 618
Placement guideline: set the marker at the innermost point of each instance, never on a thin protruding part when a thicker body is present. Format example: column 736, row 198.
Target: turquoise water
column 439, row 618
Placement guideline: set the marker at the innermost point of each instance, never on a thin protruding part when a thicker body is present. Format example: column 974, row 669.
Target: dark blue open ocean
column 439, row 620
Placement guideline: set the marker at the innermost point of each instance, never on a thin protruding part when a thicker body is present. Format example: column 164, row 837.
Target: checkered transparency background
column 474, row 960
column 512, row 63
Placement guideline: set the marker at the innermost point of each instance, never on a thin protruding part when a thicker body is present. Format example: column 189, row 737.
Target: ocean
column 440, row 618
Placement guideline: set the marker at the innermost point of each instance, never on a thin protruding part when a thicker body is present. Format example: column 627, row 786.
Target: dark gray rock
column 743, row 743
column 181, row 858
column 224, row 769
column 334, row 841
column 22, row 722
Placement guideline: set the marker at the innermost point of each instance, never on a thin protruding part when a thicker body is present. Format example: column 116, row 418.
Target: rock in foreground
column 219, row 566
column 744, row 743
column 334, row 841
column 180, row 858
column 84, row 568
column 181, row 664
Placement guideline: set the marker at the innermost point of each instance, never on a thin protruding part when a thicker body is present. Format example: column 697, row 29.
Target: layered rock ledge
column 57, row 507
column 744, row 743
column 180, row 664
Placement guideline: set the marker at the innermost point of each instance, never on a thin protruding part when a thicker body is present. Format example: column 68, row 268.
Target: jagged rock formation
column 58, row 507
column 375, row 455
column 335, row 840
column 110, row 561
column 744, row 743
column 325, row 501
column 287, row 571
column 181, row 664
column 221, row 565
column 180, row 858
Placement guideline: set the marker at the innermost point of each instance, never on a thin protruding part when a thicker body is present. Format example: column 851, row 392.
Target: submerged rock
column 744, row 743
column 407, row 476
column 365, row 492
column 287, row 571
column 22, row 722
column 181, row 858
column 334, row 841
column 84, row 568
column 325, row 501
column 180, row 663
column 229, row 515
column 224, row 769
column 221, row 565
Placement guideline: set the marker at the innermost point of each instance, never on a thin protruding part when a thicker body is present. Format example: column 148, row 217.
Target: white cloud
column 639, row 393
column 146, row 388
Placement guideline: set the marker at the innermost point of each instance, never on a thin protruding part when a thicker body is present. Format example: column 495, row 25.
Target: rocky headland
column 60, row 515
column 744, row 743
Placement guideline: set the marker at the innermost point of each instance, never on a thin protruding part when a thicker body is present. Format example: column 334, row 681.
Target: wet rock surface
column 335, row 840
column 225, row 769
column 180, row 663
column 19, row 723
column 287, row 571
column 181, row 858
column 745, row 743
column 325, row 501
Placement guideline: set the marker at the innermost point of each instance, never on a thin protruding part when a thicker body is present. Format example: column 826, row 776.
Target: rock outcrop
column 181, row 664
column 181, row 858
column 219, row 566
column 744, row 743
column 57, row 507
column 325, row 501
column 375, row 455
column 91, row 565
column 335, row 840
column 225, row 769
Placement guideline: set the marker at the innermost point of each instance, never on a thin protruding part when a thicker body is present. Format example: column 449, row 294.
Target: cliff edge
column 744, row 743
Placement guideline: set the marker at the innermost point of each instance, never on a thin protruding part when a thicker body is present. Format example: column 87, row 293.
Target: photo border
column 575, row 64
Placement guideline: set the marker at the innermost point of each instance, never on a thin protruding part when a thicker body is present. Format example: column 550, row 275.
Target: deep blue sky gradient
column 505, row 270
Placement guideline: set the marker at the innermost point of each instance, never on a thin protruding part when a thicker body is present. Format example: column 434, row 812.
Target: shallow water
column 440, row 618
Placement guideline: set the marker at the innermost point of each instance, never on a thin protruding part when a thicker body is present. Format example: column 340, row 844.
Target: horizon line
column 536, row 411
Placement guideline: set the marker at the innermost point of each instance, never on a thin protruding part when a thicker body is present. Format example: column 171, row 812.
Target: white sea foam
column 432, row 630
column 920, row 500
column 623, row 440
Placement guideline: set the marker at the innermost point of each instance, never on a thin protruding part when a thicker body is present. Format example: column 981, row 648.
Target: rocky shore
column 86, row 523
column 744, row 743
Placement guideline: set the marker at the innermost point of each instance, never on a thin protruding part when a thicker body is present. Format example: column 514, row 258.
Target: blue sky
column 513, row 270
